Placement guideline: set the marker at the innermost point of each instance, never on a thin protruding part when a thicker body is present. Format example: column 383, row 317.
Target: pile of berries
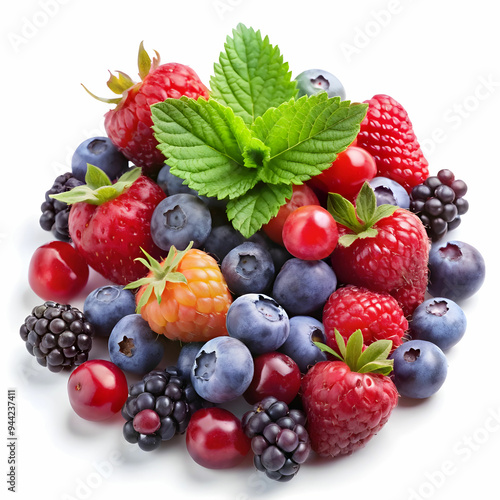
column 306, row 320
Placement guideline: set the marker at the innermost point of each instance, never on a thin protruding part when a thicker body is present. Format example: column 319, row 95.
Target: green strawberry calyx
column 121, row 83
column 374, row 359
column 98, row 187
column 160, row 274
column 360, row 219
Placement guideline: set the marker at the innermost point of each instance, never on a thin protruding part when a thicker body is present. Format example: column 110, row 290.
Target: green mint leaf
column 203, row 143
column 305, row 136
column 256, row 154
column 256, row 207
column 251, row 76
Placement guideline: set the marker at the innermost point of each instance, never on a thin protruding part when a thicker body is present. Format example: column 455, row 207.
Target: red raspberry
column 377, row 315
column 387, row 134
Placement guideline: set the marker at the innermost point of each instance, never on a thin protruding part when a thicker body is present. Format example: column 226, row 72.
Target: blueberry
column 440, row 321
column 100, row 152
column 304, row 331
column 133, row 346
column 258, row 321
column 179, row 219
column 186, row 358
column 106, row 305
column 222, row 370
column 314, row 81
column 457, row 270
column 303, row 286
column 390, row 192
column 222, row 239
column 248, row 268
column 420, row 369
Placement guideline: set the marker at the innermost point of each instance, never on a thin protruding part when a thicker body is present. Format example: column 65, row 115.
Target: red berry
column 302, row 195
column 348, row 173
column 275, row 374
column 97, row 389
column 57, row 272
column 215, row 439
column 310, row 233
column 387, row 134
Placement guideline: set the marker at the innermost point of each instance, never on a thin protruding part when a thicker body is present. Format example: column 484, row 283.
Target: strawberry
column 110, row 223
column 377, row 315
column 384, row 249
column 129, row 124
column 348, row 401
column 190, row 299
column 387, row 134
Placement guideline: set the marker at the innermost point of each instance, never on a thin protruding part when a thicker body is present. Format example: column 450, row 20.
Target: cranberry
column 215, row 439
column 97, row 389
column 57, row 272
column 275, row 374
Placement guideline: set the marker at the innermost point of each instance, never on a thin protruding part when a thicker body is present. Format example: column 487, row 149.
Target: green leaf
column 366, row 204
column 328, row 349
column 305, row 136
column 251, row 76
column 203, row 141
column 340, row 343
column 377, row 351
column 256, row 207
column 96, row 178
column 256, row 154
column 354, row 348
column 343, row 211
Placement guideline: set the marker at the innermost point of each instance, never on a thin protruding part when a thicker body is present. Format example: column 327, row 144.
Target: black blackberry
column 55, row 213
column 280, row 441
column 439, row 203
column 159, row 407
column 58, row 335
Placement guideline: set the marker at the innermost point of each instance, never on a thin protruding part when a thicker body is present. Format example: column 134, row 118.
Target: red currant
column 57, row 272
column 97, row 389
column 215, row 439
column 302, row 195
column 310, row 233
column 275, row 374
column 348, row 173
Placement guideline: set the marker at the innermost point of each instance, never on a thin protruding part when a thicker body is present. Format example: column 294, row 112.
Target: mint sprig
column 251, row 76
column 252, row 141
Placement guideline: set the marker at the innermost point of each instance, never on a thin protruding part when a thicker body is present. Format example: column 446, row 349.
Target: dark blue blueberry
column 314, row 81
column 303, row 286
column 248, row 268
column 420, row 369
column 133, row 346
column 186, row 358
column 440, row 321
column 107, row 305
column 179, row 219
column 457, row 270
column 304, row 331
column 100, row 152
column 223, row 369
column 259, row 322
column 221, row 240
column 390, row 192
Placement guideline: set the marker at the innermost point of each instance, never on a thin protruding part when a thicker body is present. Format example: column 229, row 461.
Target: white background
column 439, row 59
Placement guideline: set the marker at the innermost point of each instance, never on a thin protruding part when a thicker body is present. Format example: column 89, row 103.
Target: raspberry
column 58, row 335
column 280, row 441
column 55, row 213
column 439, row 203
column 387, row 134
column 158, row 407
column 377, row 315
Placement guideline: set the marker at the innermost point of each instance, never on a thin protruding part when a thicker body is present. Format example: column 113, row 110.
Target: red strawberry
column 387, row 134
column 377, row 315
column 110, row 223
column 129, row 124
column 348, row 401
column 384, row 249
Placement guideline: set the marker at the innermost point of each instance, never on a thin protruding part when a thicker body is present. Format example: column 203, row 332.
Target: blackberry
column 57, row 335
column 280, row 441
column 439, row 203
column 158, row 407
column 55, row 213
